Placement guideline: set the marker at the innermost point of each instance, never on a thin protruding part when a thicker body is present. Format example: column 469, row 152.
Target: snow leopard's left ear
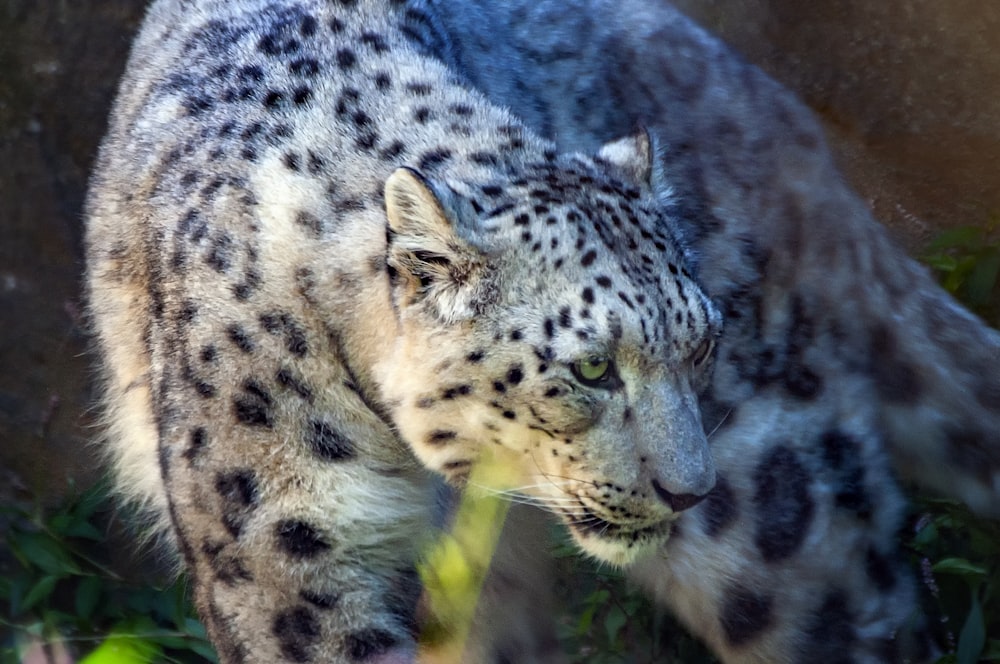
column 635, row 154
column 429, row 261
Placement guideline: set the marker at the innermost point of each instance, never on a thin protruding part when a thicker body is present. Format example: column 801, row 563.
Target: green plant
column 605, row 620
column 967, row 260
column 959, row 553
column 58, row 590
column 959, row 556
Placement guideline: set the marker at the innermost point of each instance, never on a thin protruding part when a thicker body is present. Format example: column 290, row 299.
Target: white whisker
column 719, row 425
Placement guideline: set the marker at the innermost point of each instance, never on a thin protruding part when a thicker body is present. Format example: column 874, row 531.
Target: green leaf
column 585, row 621
column 973, row 636
column 16, row 589
column 926, row 535
column 41, row 551
column 168, row 639
column 614, row 622
column 942, row 262
column 137, row 624
column 60, row 522
column 593, row 601
column 966, row 237
column 88, row 592
column 122, row 649
column 195, row 629
column 141, row 601
column 84, row 530
column 954, row 280
column 40, row 591
column 982, row 278
column 90, row 501
column 960, row 567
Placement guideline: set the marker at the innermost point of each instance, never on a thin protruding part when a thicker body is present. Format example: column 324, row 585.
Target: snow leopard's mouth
column 588, row 525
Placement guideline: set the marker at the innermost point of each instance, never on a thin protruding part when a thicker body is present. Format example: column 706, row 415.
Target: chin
column 624, row 549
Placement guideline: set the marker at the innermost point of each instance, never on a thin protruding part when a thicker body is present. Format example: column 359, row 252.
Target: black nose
column 678, row 502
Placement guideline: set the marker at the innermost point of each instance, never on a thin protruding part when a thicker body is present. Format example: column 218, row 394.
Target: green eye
column 593, row 369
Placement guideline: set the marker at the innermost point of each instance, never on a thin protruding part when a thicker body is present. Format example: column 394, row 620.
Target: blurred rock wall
column 909, row 91
column 59, row 64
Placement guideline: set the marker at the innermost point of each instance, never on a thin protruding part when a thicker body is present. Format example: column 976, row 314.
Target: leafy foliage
column 58, row 589
column 959, row 556
column 607, row 621
column 967, row 260
column 958, row 553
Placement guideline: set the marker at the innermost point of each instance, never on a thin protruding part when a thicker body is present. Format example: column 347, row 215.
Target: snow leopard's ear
column 635, row 154
column 428, row 261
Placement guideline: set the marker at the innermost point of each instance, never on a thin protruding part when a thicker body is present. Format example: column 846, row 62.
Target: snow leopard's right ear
column 636, row 155
column 425, row 253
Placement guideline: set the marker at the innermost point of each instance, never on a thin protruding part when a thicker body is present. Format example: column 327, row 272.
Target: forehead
column 593, row 258
column 574, row 214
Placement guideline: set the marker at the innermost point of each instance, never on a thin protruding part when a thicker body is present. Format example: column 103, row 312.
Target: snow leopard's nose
column 674, row 455
column 678, row 502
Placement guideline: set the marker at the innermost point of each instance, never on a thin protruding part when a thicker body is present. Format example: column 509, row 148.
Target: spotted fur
column 321, row 260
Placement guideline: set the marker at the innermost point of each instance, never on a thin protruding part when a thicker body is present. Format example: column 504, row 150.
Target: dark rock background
column 908, row 90
column 59, row 65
